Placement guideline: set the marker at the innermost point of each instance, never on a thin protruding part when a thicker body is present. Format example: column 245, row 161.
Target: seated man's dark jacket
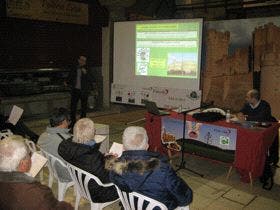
column 88, row 158
column 19, row 191
column 150, row 174
column 261, row 113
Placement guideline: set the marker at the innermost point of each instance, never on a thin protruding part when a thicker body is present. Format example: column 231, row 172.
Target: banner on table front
column 218, row 136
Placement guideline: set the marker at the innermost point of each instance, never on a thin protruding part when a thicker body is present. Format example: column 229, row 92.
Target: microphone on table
column 201, row 107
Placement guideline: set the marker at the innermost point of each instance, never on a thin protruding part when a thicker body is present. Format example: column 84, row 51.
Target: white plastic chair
column 62, row 185
column 128, row 201
column 31, row 145
column 5, row 133
column 128, row 198
column 81, row 186
column 49, row 168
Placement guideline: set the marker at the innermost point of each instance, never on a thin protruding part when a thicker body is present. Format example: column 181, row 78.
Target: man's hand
column 111, row 154
column 241, row 116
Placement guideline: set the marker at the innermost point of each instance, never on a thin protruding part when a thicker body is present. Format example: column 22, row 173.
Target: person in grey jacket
column 54, row 135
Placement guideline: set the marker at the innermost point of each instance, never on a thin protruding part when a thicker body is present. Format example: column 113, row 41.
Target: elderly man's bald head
column 253, row 96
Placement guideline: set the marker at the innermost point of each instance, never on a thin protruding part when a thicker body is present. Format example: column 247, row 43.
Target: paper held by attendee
column 116, row 148
column 99, row 138
column 37, row 163
column 15, row 114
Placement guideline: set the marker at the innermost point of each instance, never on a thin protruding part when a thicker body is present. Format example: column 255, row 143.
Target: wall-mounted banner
column 49, row 10
column 218, row 136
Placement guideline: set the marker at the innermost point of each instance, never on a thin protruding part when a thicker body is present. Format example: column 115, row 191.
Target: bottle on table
column 180, row 108
column 228, row 116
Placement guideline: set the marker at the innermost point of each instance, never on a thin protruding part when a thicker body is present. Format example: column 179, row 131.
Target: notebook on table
column 152, row 108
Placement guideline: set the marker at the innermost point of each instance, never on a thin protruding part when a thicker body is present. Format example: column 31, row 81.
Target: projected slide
column 167, row 49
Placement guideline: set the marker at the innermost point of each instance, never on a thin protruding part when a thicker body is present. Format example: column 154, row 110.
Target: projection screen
column 158, row 53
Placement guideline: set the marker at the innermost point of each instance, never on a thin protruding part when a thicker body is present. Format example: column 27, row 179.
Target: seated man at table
column 18, row 190
column 255, row 109
column 147, row 173
column 259, row 110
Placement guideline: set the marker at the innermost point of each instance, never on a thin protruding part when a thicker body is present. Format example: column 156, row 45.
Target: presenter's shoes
column 71, row 126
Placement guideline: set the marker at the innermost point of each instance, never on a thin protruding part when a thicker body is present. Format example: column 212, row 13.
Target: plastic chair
column 50, row 183
column 5, row 133
column 134, row 200
column 31, row 145
column 81, row 179
column 62, row 185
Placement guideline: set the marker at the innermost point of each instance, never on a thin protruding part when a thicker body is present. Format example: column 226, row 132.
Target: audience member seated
column 53, row 136
column 83, row 152
column 18, row 190
column 259, row 110
column 147, row 173
column 20, row 128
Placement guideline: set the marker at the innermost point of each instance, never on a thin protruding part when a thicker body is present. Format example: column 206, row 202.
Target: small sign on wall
column 49, row 10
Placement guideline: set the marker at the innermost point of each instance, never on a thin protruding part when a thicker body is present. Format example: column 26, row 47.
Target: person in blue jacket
column 147, row 173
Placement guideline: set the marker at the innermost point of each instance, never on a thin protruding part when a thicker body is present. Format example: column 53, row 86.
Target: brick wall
column 267, row 49
column 226, row 78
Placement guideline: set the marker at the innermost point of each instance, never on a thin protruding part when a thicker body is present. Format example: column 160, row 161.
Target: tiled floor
column 212, row 192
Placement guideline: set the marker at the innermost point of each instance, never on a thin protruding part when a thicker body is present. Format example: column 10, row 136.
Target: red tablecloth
column 251, row 145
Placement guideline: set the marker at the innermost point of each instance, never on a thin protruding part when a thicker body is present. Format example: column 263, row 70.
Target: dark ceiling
column 229, row 9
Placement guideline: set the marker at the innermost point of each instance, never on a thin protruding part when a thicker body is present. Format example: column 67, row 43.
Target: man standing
column 147, row 173
column 18, row 190
column 80, row 83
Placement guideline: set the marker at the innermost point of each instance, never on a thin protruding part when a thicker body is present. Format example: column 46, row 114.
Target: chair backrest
column 5, row 133
column 52, row 160
column 81, row 179
column 134, row 200
column 31, row 145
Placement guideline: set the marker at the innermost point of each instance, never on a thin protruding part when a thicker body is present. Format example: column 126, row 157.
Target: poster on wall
column 49, row 10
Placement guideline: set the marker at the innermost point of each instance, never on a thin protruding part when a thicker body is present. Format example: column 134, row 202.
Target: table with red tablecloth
column 251, row 145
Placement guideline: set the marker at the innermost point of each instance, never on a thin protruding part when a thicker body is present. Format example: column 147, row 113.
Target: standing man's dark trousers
column 77, row 95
